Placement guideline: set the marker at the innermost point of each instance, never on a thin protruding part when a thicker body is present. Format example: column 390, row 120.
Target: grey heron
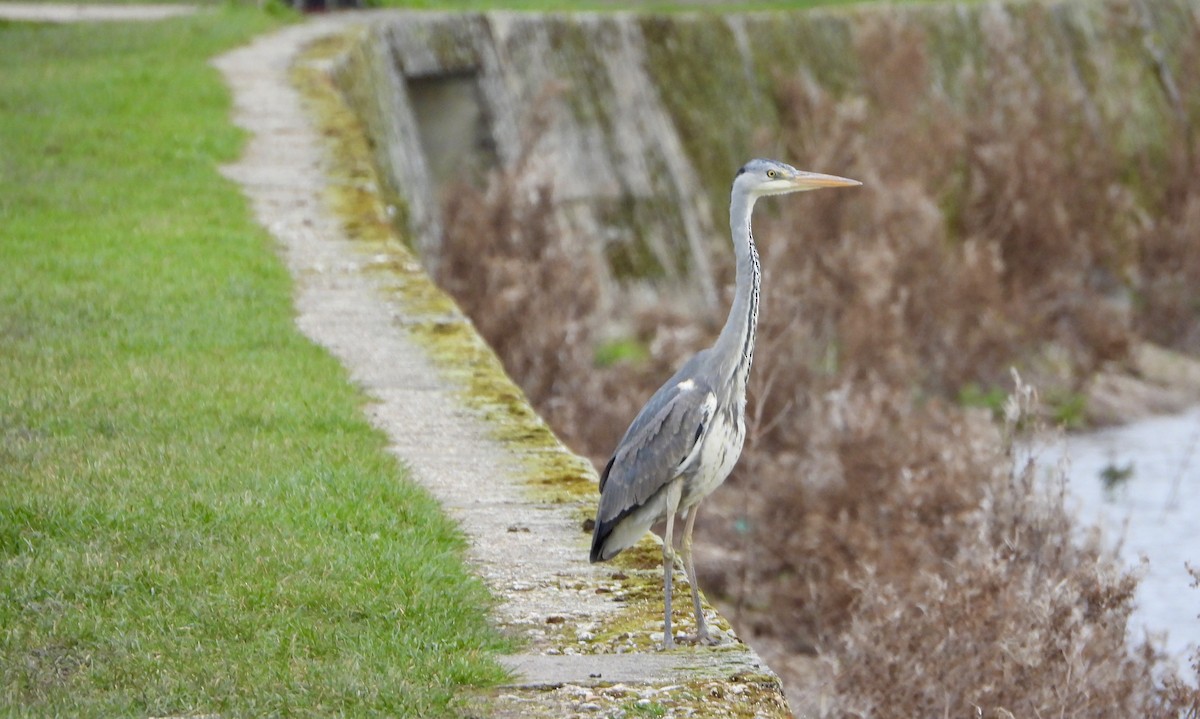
column 685, row 441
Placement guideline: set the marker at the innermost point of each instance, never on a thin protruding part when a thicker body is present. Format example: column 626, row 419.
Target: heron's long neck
column 735, row 346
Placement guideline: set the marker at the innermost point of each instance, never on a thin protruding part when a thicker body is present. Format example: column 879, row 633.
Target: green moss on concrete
column 554, row 474
column 734, row 697
column 646, row 554
column 651, row 240
column 703, row 82
column 356, row 74
column 954, row 42
column 581, row 65
column 726, row 99
column 453, row 43
column 817, row 43
column 354, row 192
column 633, row 258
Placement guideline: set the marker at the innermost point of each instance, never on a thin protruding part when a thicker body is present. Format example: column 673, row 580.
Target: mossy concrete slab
column 590, row 633
column 694, row 663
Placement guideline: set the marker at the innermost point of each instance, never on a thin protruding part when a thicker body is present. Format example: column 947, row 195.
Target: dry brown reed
column 874, row 520
column 533, row 297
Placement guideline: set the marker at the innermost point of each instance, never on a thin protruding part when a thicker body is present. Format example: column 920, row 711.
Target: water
column 1141, row 484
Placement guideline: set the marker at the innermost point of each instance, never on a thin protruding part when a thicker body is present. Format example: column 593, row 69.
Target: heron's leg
column 673, row 492
column 690, row 568
column 668, row 571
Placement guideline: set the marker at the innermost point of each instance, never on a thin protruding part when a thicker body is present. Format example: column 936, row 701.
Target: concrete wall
column 637, row 122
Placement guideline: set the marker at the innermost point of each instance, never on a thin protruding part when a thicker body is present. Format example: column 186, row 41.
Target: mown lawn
column 194, row 515
column 525, row 5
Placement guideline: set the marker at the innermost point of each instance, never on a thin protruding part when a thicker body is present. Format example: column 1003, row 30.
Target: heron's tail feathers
column 599, row 537
column 613, row 536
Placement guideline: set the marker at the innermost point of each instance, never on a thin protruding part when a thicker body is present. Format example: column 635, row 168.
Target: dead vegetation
column 875, row 520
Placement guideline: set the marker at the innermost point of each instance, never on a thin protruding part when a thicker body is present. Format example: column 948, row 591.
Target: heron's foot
column 701, row 639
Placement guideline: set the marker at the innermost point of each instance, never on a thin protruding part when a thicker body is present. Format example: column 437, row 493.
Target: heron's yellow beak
column 800, row 181
column 815, row 181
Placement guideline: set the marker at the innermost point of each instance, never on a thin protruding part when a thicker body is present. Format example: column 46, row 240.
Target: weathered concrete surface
column 552, row 92
column 586, row 627
column 72, row 12
column 1158, row 381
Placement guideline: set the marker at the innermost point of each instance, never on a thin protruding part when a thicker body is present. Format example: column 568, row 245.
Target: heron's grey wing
column 656, row 449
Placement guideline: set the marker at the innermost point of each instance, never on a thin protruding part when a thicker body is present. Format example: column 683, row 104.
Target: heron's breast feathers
column 691, row 461
column 718, row 452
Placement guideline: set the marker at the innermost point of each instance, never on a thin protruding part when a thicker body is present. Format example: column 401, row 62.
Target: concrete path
column 590, row 631
column 71, row 12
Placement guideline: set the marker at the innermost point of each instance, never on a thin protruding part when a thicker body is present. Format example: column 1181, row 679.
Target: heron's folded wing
column 654, row 450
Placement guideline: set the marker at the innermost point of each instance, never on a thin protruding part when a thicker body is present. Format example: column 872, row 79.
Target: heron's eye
column 771, row 174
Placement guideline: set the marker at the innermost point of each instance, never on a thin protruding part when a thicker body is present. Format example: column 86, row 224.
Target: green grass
column 194, row 515
column 626, row 349
column 533, row 5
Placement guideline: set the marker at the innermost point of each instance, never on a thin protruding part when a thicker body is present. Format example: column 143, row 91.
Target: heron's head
column 759, row 178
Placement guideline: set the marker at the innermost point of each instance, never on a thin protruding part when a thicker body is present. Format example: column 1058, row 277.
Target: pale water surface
column 1153, row 513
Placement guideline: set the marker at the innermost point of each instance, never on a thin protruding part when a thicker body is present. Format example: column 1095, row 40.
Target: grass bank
column 194, row 516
